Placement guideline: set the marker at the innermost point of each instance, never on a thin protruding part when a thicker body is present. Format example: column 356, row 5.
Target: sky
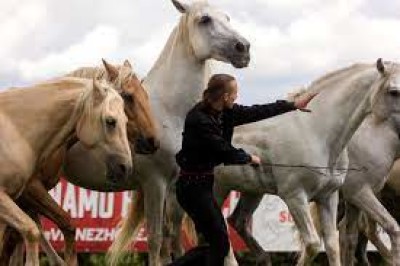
column 292, row 42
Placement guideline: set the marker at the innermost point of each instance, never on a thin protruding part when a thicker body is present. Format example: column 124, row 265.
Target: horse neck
column 178, row 78
column 44, row 119
column 339, row 111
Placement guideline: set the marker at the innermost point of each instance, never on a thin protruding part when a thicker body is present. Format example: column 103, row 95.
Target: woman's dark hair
column 217, row 86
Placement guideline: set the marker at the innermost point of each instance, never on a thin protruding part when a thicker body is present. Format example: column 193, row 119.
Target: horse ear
column 112, row 71
column 182, row 7
column 98, row 92
column 127, row 63
column 380, row 66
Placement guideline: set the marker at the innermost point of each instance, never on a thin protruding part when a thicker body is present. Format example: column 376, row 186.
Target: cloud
column 293, row 42
column 16, row 27
column 326, row 36
column 103, row 40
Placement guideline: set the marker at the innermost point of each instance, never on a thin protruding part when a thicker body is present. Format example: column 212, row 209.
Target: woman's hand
column 302, row 101
column 255, row 160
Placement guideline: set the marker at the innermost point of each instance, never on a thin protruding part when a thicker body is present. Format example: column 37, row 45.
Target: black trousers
column 195, row 195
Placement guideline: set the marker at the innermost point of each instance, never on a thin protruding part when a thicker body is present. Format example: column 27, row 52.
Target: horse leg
column 154, row 200
column 17, row 257
column 349, row 235
column 361, row 250
column 367, row 201
column 220, row 194
column 300, row 211
column 240, row 219
column 328, row 215
column 54, row 258
column 11, row 214
column 175, row 219
column 2, row 234
column 38, row 197
column 371, row 233
column 11, row 239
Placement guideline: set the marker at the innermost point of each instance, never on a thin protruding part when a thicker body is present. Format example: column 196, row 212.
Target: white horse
column 175, row 84
column 317, row 139
column 375, row 146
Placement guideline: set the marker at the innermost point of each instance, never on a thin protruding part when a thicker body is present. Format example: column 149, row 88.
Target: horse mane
column 86, row 101
column 100, row 73
column 178, row 34
column 318, row 85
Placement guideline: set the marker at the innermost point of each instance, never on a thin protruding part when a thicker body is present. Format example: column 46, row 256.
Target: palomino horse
column 344, row 100
column 141, row 134
column 175, row 84
column 36, row 121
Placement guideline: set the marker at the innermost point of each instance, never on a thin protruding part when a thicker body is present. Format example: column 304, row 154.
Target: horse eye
column 205, row 20
column 111, row 123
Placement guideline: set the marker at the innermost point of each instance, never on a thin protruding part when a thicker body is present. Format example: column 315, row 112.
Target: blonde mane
column 100, row 73
column 179, row 36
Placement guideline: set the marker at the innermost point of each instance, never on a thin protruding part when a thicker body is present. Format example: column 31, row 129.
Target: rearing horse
column 142, row 135
column 36, row 121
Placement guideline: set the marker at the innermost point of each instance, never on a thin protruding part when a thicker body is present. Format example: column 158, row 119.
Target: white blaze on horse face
column 212, row 36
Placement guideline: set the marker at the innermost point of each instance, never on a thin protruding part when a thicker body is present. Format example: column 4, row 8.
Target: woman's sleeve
column 248, row 114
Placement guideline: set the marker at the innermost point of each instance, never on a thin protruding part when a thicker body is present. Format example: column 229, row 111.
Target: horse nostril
column 240, row 47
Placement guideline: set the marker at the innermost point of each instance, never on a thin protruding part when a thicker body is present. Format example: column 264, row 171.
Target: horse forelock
column 86, row 103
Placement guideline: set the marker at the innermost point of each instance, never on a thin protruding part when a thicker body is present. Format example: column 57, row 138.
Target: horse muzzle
column 117, row 168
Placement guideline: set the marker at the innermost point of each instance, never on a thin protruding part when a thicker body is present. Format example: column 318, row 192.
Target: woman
column 206, row 143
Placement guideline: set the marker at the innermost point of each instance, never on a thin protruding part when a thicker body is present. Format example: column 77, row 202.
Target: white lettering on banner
column 84, row 234
column 56, row 193
column 106, row 205
column 69, row 203
column 90, row 236
column 80, row 235
column 54, row 234
column 109, row 235
column 88, row 202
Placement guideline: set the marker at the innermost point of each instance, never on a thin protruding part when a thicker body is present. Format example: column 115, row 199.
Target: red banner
column 96, row 216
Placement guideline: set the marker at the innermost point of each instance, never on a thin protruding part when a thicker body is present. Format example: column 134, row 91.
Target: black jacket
column 208, row 134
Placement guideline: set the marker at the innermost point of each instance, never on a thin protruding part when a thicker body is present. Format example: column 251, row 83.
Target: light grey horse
column 175, row 84
column 344, row 100
column 374, row 147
